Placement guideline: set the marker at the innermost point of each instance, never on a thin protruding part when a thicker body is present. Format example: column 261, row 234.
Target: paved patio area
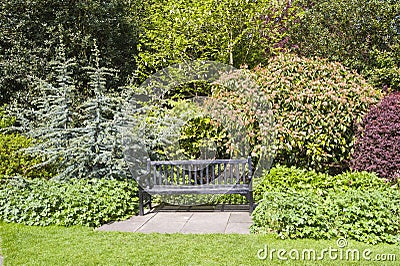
column 188, row 220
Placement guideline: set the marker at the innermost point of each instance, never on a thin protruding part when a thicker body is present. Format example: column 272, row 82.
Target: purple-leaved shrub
column 377, row 148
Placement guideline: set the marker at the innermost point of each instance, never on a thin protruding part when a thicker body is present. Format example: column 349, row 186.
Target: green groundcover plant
column 296, row 203
column 283, row 178
column 76, row 202
column 366, row 216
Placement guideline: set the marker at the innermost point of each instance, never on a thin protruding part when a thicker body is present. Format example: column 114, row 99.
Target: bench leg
column 141, row 203
column 144, row 199
column 251, row 201
column 149, row 201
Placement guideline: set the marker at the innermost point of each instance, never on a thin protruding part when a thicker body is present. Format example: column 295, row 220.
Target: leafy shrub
column 377, row 148
column 5, row 121
column 229, row 124
column 283, row 178
column 13, row 161
column 247, row 119
column 230, row 199
column 200, row 199
column 366, row 216
column 316, row 104
column 195, row 132
column 77, row 202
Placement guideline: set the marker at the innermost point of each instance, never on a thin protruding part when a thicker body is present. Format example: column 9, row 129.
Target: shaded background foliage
column 29, row 33
column 363, row 35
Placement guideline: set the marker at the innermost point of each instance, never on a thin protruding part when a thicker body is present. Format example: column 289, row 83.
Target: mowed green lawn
column 30, row 245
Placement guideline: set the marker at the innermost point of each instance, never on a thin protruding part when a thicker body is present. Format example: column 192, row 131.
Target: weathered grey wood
column 228, row 176
column 244, row 170
column 207, row 175
column 198, row 162
column 213, row 173
column 171, row 176
column 232, row 169
column 195, row 173
column 155, row 175
column 219, row 174
column 224, row 174
column 195, row 190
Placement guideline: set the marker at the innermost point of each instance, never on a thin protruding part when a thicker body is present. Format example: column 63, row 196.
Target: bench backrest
column 199, row 172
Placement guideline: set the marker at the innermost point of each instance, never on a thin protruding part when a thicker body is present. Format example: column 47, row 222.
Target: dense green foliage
column 13, row 160
column 316, row 104
column 81, row 140
column 386, row 71
column 377, row 147
column 367, row 216
column 70, row 122
column 193, row 135
column 283, row 178
column 228, row 31
column 29, row 33
column 5, row 121
column 363, row 35
column 77, row 202
column 295, row 203
column 249, row 120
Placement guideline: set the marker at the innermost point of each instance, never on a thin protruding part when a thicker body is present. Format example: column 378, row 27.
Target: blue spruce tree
column 51, row 121
column 99, row 141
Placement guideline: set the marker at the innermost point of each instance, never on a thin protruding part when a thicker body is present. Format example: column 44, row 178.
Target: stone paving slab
column 240, row 217
column 237, row 228
column 187, row 220
column 170, row 228
column 206, row 223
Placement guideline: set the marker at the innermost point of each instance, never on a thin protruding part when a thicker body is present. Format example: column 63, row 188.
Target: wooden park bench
column 219, row 176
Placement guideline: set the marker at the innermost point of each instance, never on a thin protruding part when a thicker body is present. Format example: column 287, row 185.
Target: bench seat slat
column 220, row 189
column 199, row 162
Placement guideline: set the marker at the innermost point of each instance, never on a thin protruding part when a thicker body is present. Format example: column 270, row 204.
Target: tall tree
column 80, row 141
column 29, row 33
column 51, row 122
column 228, row 31
column 100, row 140
column 363, row 35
